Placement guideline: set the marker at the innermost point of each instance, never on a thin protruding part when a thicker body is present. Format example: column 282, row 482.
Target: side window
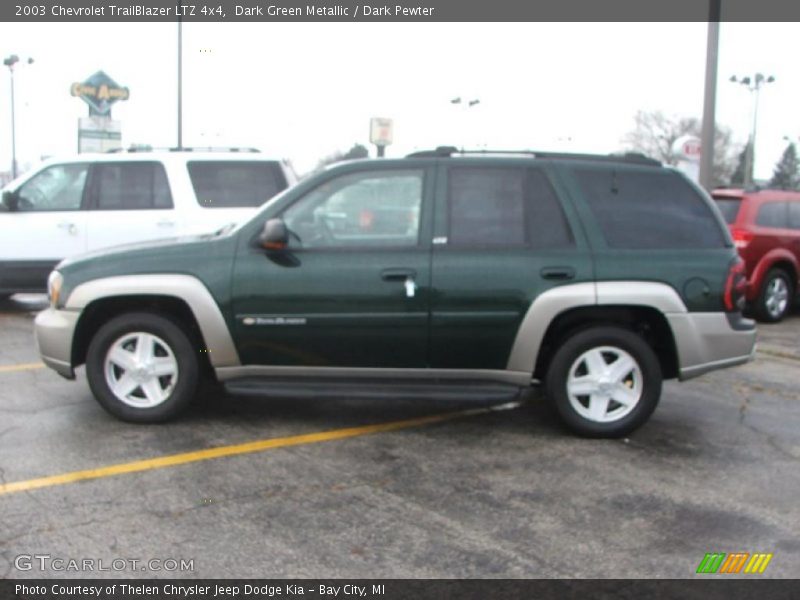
column 773, row 214
column 502, row 207
column 648, row 210
column 547, row 224
column 230, row 184
column 377, row 208
column 59, row 187
column 130, row 186
column 794, row 215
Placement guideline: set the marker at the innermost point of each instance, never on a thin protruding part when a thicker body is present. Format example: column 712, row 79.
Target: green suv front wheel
column 604, row 382
column 142, row 368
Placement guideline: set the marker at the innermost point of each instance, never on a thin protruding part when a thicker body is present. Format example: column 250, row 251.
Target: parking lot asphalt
column 477, row 494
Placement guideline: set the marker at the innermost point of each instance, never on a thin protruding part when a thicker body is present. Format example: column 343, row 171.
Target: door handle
column 557, row 273
column 398, row 274
column 165, row 223
column 70, row 228
column 404, row 275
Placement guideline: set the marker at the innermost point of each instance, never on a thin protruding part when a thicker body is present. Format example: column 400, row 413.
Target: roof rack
column 145, row 148
column 448, row 151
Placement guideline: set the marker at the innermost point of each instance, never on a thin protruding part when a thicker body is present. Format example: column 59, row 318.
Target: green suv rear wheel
column 142, row 368
column 604, row 382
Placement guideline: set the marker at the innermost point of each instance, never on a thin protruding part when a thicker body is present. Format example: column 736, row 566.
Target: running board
column 336, row 388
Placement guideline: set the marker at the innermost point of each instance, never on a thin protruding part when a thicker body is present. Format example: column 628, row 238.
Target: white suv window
column 56, row 188
column 130, row 186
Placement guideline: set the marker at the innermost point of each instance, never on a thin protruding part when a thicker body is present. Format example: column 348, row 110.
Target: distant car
column 765, row 225
column 92, row 201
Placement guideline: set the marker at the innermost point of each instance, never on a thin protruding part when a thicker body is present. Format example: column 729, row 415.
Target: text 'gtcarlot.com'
column 47, row 562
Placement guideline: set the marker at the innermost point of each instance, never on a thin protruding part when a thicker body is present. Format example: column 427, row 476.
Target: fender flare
column 206, row 311
column 549, row 305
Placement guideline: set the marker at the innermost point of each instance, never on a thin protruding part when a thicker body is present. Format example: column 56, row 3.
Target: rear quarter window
column 729, row 207
column 637, row 209
column 773, row 214
column 235, row 184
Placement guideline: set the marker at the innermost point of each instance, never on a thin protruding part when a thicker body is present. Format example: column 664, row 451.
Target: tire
column 775, row 298
column 142, row 368
column 601, row 412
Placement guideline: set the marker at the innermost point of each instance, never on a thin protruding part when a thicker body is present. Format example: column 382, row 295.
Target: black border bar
column 393, row 10
column 700, row 588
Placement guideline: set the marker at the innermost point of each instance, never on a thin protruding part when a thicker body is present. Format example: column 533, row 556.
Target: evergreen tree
column 737, row 178
column 787, row 170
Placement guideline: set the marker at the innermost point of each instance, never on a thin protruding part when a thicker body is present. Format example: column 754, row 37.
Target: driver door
column 353, row 287
column 47, row 224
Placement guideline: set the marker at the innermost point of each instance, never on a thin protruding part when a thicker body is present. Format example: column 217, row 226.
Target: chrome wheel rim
column 604, row 384
column 141, row 370
column 776, row 297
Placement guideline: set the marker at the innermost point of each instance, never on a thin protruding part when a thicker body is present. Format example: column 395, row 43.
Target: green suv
column 445, row 272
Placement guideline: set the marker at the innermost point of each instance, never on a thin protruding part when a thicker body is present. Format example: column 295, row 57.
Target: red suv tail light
column 735, row 286
column 742, row 237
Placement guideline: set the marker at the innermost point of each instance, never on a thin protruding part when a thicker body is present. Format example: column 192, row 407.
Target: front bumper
column 54, row 330
column 709, row 341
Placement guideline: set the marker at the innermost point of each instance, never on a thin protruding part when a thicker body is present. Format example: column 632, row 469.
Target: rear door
column 129, row 201
column 502, row 237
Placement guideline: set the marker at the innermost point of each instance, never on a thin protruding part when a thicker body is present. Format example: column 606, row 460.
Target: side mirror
column 275, row 235
column 10, row 201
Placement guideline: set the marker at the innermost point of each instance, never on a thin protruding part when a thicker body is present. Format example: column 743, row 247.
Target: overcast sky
column 305, row 90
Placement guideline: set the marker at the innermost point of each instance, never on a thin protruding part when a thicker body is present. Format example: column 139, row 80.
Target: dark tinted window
column 130, row 186
column 641, row 209
column 773, row 214
column 729, row 207
column 547, row 225
column 794, row 215
column 228, row 184
column 504, row 207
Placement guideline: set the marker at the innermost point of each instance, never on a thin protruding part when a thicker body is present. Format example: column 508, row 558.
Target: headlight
column 54, row 287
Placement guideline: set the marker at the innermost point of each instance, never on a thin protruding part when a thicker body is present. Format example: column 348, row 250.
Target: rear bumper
column 709, row 341
column 54, row 330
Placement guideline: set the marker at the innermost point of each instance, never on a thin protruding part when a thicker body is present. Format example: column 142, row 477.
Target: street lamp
column 10, row 61
column 467, row 105
column 754, row 85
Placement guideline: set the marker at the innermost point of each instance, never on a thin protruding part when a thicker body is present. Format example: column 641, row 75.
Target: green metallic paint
column 468, row 305
column 481, row 295
column 337, row 309
column 688, row 272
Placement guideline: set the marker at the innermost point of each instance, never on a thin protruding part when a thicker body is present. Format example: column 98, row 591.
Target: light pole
column 754, row 85
column 467, row 105
column 10, row 61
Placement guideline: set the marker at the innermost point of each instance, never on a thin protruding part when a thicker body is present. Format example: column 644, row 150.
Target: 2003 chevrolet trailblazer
column 599, row 276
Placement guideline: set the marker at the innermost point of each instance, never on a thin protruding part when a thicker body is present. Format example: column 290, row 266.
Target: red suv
column 765, row 225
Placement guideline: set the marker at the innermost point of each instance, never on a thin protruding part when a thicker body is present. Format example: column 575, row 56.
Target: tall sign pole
column 710, row 99
column 180, row 77
column 13, row 130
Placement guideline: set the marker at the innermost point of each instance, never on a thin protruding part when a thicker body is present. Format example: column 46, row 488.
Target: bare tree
column 654, row 134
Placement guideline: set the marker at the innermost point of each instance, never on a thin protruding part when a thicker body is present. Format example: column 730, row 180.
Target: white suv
column 92, row 201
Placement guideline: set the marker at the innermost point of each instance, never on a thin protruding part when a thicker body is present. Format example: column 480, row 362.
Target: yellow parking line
column 22, row 367
column 174, row 460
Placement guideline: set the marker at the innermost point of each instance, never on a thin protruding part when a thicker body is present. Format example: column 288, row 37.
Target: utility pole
column 710, row 97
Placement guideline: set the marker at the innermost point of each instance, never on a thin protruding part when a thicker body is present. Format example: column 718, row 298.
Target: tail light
column 735, row 286
column 742, row 237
